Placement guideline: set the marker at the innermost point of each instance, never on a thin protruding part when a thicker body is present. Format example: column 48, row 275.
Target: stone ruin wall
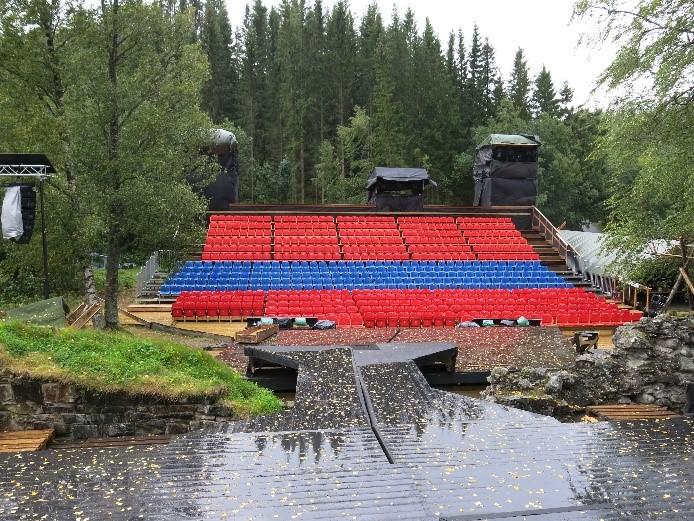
column 78, row 413
column 652, row 362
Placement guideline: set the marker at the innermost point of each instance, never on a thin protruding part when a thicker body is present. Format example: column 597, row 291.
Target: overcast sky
column 542, row 27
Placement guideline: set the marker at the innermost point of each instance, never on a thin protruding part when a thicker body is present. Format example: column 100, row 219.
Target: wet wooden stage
column 369, row 439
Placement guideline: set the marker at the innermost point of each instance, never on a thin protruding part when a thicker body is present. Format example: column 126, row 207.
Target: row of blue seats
column 448, row 279
column 301, row 264
column 175, row 289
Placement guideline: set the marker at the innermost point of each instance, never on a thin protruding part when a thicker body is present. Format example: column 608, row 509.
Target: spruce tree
column 253, row 81
column 371, row 33
column 474, row 88
column 566, row 96
column 221, row 89
column 544, row 96
column 488, row 79
column 341, row 52
column 386, row 123
column 519, row 87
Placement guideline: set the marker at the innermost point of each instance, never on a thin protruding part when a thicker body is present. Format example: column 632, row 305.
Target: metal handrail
column 167, row 259
column 551, row 234
column 146, row 273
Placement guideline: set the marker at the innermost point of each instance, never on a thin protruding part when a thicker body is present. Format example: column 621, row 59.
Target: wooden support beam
column 685, row 277
column 86, row 316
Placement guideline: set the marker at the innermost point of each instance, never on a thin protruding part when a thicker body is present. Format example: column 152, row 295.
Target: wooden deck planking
column 24, row 441
column 630, row 412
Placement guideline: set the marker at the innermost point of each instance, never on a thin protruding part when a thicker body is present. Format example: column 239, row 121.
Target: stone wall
column 78, row 413
column 652, row 362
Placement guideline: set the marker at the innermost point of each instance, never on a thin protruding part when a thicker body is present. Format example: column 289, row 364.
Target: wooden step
column 149, row 308
column 25, row 441
column 630, row 412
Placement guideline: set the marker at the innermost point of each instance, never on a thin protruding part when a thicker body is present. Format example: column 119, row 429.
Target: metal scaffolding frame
column 35, row 166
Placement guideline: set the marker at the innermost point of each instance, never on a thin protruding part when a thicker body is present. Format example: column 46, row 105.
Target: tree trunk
column 301, row 172
column 47, row 24
column 112, row 262
column 113, row 147
column 90, row 293
column 685, row 263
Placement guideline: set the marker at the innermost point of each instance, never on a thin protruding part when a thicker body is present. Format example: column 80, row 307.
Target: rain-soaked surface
column 479, row 349
column 368, row 439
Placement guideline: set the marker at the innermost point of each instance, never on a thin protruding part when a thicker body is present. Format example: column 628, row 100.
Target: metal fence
column 161, row 261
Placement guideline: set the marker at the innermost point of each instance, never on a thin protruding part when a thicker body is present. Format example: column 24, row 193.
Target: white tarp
column 595, row 259
column 12, row 225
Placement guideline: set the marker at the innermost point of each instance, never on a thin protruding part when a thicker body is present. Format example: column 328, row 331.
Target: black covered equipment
column 505, row 171
column 398, row 189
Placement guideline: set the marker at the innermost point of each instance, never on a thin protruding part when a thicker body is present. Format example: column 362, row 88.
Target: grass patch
column 127, row 278
column 120, row 361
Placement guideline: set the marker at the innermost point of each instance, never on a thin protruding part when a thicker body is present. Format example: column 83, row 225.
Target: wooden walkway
column 25, row 441
column 631, row 412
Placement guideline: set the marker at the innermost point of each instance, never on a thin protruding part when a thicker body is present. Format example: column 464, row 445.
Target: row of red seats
column 463, row 249
column 434, row 240
column 492, row 233
column 500, row 248
column 380, row 255
column 411, row 308
column 304, row 219
column 431, row 235
column 483, row 220
column 448, row 256
column 361, row 238
column 493, row 240
column 363, row 218
column 483, row 256
column 487, row 226
column 240, row 218
column 302, row 255
column 383, row 248
column 235, row 256
column 255, row 232
column 233, row 248
column 369, row 241
column 218, row 304
column 308, row 249
column 426, row 219
column 238, row 240
column 304, row 232
column 293, row 239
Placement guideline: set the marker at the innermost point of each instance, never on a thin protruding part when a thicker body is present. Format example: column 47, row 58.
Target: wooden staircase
column 549, row 256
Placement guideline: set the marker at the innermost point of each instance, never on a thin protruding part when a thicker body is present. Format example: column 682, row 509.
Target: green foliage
column 572, row 185
column 114, row 94
column 122, row 362
column 648, row 139
column 657, row 273
column 220, row 91
column 519, row 86
column 544, row 99
column 305, row 72
column 127, row 278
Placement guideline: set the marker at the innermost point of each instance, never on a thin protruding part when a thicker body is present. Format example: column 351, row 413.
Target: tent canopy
column 595, row 258
column 510, row 139
column 402, row 175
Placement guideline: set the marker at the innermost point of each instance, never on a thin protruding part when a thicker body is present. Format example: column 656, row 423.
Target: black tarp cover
column 505, row 171
column 384, row 184
column 224, row 190
column 398, row 174
column 392, row 203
